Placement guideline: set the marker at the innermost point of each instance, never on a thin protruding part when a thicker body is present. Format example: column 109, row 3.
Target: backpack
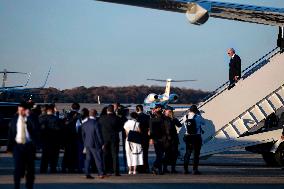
column 190, row 125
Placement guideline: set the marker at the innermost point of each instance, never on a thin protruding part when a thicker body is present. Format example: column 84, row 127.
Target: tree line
column 128, row 94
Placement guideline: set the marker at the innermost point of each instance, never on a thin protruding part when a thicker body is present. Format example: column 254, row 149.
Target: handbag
column 134, row 136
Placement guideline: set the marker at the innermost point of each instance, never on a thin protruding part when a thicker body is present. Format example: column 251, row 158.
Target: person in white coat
column 134, row 152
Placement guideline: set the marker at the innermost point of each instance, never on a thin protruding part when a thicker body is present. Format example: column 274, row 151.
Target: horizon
column 142, row 85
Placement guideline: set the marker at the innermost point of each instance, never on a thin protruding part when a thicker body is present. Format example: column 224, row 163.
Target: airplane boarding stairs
column 231, row 115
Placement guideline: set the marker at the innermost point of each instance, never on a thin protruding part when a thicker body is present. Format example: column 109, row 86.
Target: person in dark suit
column 171, row 141
column 93, row 143
column 51, row 129
column 21, row 142
column 157, row 135
column 144, row 120
column 72, row 135
column 111, row 126
column 122, row 113
column 235, row 69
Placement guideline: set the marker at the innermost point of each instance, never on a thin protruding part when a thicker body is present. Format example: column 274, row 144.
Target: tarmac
column 234, row 169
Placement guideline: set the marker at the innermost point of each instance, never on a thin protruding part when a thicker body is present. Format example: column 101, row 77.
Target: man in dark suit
column 172, row 141
column 235, row 69
column 93, row 143
column 111, row 126
column 51, row 129
column 144, row 120
column 21, row 142
column 72, row 141
column 157, row 135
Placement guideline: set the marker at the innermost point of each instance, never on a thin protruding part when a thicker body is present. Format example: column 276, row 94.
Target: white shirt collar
column 191, row 115
column 85, row 120
column 233, row 55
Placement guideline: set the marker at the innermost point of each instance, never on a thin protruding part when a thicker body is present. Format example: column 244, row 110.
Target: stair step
column 257, row 113
column 248, row 120
column 280, row 94
column 275, row 101
column 222, row 134
column 239, row 126
column 231, row 131
column 266, row 107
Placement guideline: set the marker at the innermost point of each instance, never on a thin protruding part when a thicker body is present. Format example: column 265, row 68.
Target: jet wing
column 11, row 87
column 8, row 72
column 248, row 13
column 198, row 11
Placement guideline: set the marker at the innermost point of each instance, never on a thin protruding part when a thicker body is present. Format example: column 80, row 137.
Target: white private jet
column 163, row 99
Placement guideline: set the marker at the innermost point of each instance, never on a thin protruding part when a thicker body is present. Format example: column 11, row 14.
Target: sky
column 91, row 43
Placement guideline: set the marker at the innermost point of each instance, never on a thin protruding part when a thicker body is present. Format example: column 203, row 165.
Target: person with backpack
column 192, row 139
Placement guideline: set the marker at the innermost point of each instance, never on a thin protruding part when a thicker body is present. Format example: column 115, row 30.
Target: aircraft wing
column 198, row 11
column 176, row 81
column 11, row 87
column 180, row 108
column 5, row 72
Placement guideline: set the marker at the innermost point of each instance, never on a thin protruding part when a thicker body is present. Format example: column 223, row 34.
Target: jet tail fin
column 168, row 84
column 168, row 88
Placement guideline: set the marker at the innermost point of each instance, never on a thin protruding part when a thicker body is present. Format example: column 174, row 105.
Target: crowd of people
column 90, row 142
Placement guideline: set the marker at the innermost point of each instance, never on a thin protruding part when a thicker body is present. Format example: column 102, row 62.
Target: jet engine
column 152, row 98
column 173, row 98
column 198, row 13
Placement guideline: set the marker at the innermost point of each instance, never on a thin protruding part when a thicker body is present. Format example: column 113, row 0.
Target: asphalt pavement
column 235, row 169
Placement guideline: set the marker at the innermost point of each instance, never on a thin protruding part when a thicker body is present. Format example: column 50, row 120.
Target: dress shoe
column 231, row 86
column 101, row 177
column 174, row 171
column 154, row 172
column 185, row 172
column 89, row 177
column 166, row 171
column 196, row 173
